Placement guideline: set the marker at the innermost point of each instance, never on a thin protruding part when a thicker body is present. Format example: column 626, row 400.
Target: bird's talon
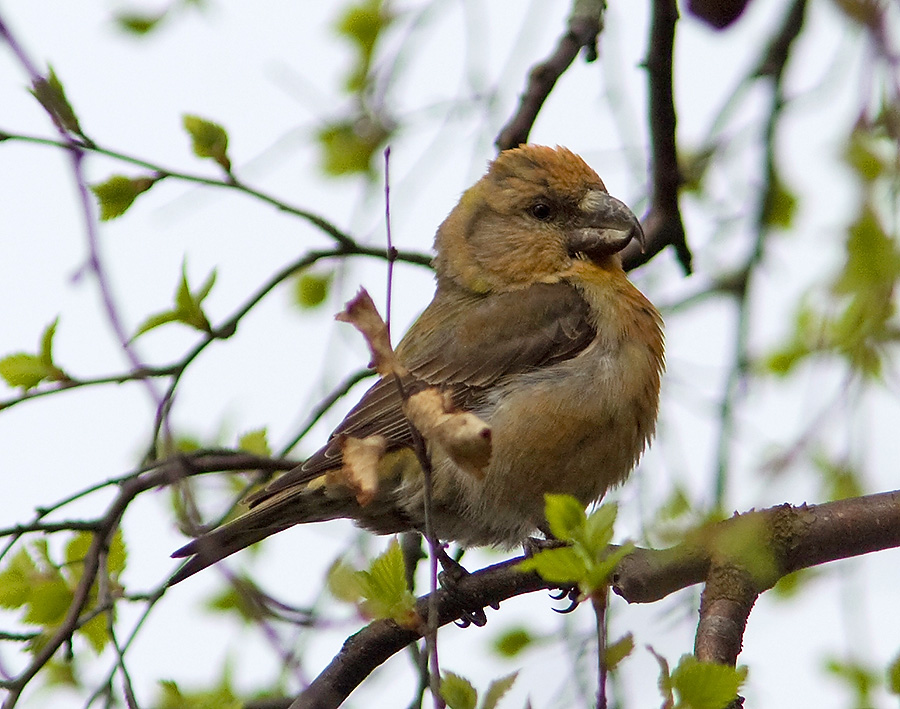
column 573, row 593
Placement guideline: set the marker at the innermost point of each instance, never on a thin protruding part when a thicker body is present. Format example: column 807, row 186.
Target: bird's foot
column 534, row 545
column 572, row 593
column 452, row 573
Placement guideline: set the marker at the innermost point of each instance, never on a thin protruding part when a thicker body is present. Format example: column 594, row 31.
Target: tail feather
column 269, row 516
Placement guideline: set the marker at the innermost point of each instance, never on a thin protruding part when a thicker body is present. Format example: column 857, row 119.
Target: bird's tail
column 271, row 514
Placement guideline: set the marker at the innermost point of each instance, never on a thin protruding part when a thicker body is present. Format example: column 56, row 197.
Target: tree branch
column 792, row 537
column 584, row 27
column 662, row 225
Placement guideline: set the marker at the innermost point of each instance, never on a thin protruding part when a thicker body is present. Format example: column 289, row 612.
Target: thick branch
column 790, row 538
column 583, row 29
column 724, row 608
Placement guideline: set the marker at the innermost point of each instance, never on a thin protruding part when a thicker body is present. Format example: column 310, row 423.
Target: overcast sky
column 271, row 73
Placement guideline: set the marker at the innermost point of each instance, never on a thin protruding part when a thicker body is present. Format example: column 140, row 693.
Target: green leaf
column 384, row 587
column 602, row 567
column 188, row 307
column 619, row 650
column 706, row 685
column 893, row 676
column 861, row 680
column 513, row 641
column 563, row 565
column 861, row 154
column 24, row 370
column 208, row 140
column 692, row 167
column 565, row 515
column 187, row 304
column 790, row 585
column 255, row 442
column 664, row 682
column 46, row 354
column 48, row 601
column 311, row 289
column 343, row 582
column 363, row 24
column 780, row 205
column 118, row 193
column 16, row 580
column 52, row 96
column 873, row 258
column 842, row 481
column 27, row 370
column 497, row 689
column 458, row 692
column 137, row 23
column 116, row 555
column 96, row 632
column 598, row 528
column 348, row 145
column 220, row 697
column 240, row 598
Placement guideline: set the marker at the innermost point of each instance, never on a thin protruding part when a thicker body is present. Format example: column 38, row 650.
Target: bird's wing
column 463, row 347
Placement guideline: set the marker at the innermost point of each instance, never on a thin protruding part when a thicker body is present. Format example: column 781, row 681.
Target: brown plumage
column 535, row 328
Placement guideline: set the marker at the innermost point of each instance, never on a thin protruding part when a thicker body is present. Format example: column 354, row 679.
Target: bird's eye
column 541, row 211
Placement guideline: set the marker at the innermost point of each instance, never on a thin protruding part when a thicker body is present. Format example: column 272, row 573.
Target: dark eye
column 541, row 211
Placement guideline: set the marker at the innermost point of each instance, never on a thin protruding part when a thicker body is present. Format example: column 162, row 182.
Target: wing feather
column 464, row 343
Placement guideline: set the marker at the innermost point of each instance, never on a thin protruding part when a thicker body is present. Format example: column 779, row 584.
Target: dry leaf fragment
column 363, row 315
column 462, row 435
column 359, row 471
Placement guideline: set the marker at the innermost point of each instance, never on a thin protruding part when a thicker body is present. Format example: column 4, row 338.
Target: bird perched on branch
column 535, row 329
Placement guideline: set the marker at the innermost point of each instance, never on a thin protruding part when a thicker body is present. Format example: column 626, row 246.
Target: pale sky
column 271, row 73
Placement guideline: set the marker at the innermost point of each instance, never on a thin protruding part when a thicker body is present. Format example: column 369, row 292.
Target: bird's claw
column 454, row 572
column 476, row 618
column 573, row 594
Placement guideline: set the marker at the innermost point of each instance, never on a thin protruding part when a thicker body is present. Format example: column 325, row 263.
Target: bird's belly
column 576, row 428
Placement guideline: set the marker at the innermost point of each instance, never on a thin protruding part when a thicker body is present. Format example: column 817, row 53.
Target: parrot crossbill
column 535, row 329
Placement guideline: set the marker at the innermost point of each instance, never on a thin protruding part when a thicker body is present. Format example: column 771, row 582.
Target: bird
column 535, row 329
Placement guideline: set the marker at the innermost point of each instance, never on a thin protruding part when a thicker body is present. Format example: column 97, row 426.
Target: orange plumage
column 535, row 328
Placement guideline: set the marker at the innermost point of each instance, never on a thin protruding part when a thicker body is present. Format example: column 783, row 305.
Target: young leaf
column 619, row 650
column 664, row 682
column 208, row 140
column 893, row 676
column 706, row 685
column 343, row 582
column 255, row 442
column 458, row 692
column 513, row 641
column 311, row 289
column 348, row 146
column 50, row 94
column 96, row 632
column 780, row 205
column 16, row 580
column 384, row 588
column 118, row 193
column 565, row 515
column 187, row 310
column 138, row 24
column 24, row 370
column 497, row 689
column 563, row 565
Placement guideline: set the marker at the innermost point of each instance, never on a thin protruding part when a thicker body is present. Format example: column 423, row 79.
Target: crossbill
column 535, row 328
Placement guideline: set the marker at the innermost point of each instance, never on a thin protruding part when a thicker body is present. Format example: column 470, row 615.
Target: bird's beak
column 607, row 227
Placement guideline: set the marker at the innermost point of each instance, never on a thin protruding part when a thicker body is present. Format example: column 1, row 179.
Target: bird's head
column 535, row 211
